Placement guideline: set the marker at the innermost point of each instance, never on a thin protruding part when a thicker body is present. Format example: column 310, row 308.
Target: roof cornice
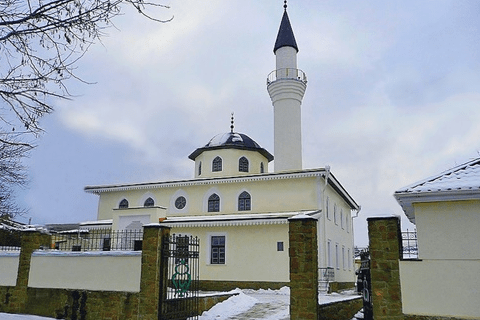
column 206, row 181
column 318, row 172
column 407, row 199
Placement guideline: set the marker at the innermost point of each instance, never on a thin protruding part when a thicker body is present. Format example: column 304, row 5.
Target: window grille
column 217, row 164
column 123, row 204
column 243, row 164
column 217, row 250
column 149, row 203
column 214, row 203
column 244, row 201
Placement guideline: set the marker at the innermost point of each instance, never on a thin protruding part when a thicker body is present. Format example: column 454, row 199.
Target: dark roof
column 285, row 37
column 232, row 140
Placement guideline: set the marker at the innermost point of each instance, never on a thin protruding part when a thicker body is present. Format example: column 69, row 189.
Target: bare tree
column 12, row 175
column 40, row 42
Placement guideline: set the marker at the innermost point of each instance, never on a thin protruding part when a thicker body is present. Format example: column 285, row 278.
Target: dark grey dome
column 232, row 140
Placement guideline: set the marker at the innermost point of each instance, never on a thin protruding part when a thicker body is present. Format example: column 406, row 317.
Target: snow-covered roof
column 232, row 140
column 459, row 183
column 234, row 219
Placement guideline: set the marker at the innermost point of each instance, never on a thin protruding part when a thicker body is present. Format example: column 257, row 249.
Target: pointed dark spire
column 285, row 37
column 231, row 124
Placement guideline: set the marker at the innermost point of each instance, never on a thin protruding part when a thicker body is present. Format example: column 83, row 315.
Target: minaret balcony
column 287, row 74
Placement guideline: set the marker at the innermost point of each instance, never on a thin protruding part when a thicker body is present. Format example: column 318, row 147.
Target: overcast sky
column 392, row 97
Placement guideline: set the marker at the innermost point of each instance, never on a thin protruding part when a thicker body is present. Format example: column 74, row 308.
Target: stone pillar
column 153, row 280
column 385, row 251
column 303, row 254
column 30, row 241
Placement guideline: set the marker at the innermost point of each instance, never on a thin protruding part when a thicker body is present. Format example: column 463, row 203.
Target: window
column 280, row 246
column 180, row 202
column 214, row 203
column 149, row 203
column 337, row 260
column 244, row 201
column 262, row 169
column 243, row 164
column 217, row 253
column 344, row 265
column 123, row 204
column 217, row 164
column 349, row 259
column 327, row 206
column 341, row 218
column 335, row 214
column 329, row 253
column 200, row 168
column 347, row 225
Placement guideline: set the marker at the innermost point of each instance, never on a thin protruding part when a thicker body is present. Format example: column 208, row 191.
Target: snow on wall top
column 465, row 177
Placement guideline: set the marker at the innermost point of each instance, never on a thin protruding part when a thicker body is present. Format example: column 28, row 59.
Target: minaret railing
column 287, row 73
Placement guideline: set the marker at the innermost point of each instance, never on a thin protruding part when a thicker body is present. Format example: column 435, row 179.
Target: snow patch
column 230, row 307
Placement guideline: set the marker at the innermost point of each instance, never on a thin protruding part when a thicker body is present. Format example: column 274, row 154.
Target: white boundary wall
column 9, row 268
column 101, row 271
column 448, row 288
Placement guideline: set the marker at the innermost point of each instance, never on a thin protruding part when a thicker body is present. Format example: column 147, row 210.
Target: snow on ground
column 8, row 316
column 246, row 305
column 263, row 305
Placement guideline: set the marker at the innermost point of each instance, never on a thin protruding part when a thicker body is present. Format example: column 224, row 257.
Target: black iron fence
column 98, row 240
column 10, row 239
column 410, row 245
column 181, row 254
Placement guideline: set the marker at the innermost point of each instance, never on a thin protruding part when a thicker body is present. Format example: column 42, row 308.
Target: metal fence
column 10, row 238
column 181, row 254
column 410, row 245
column 98, row 240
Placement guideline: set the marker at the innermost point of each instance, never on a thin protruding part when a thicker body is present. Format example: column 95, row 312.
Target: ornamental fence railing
column 287, row 73
column 98, row 240
column 409, row 245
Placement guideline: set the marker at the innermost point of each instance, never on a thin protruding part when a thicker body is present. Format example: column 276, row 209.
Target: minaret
column 286, row 87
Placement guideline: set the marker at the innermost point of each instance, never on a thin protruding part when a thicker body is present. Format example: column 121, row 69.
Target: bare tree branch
column 40, row 43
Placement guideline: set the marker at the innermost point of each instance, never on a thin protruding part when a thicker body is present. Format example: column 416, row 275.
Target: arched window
column 244, row 201
column 149, row 203
column 217, row 164
column 123, row 204
column 214, row 203
column 243, row 164
column 262, row 170
column 200, row 168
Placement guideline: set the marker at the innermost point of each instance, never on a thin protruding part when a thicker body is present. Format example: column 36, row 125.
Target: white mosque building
column 237, row 208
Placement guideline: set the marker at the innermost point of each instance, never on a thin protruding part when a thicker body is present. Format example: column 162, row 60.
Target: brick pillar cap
column 386, row 217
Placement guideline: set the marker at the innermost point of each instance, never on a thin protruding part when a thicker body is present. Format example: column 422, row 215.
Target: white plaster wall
column 105, row 271
column 251, row 253
column 448, row 229
column 230, row 159
column 8, row 268
column 286, row 57
column 448, row 288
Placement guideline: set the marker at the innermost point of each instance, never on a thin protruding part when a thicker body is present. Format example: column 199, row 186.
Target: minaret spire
column 231, row 124
column 286, row 86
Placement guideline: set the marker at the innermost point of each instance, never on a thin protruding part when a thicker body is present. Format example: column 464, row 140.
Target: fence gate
column 180, row 258
column 364, row 279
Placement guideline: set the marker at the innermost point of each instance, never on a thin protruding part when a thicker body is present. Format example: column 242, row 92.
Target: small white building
column 446, row 211
column 239, row 209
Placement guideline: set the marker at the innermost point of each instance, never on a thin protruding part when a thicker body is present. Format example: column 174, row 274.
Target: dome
column 232, row 140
